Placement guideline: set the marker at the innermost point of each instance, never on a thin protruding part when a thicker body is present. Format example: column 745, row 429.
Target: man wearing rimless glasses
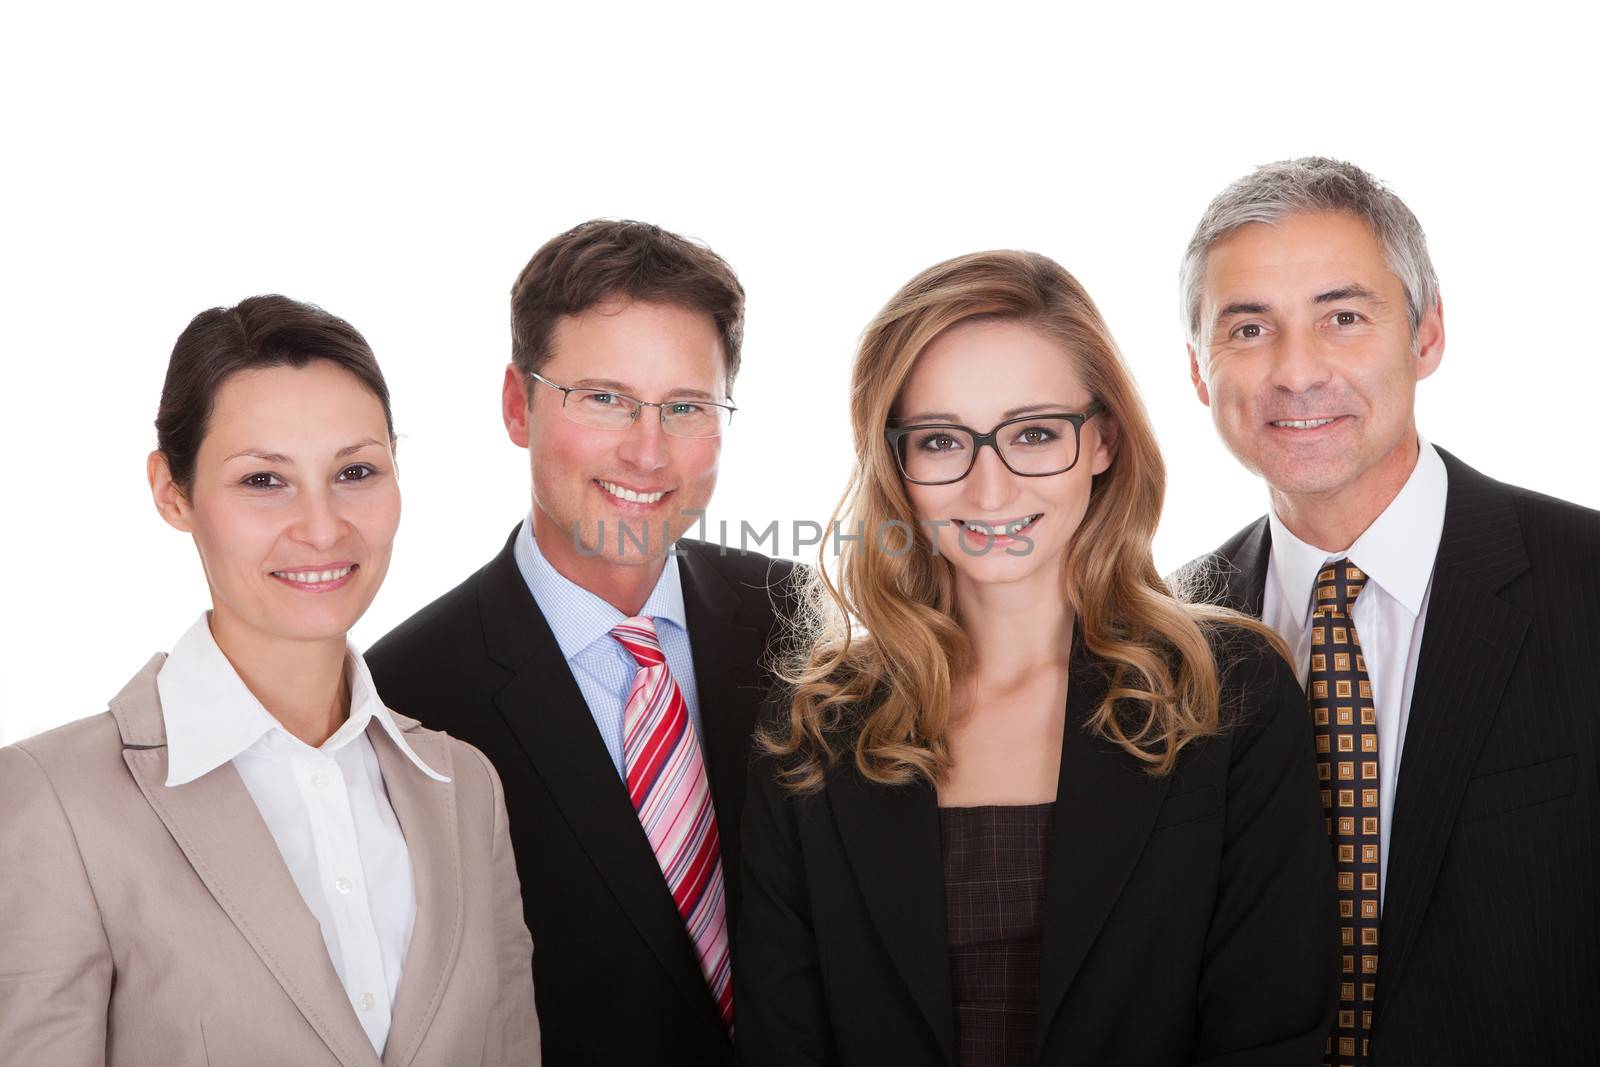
column 610, row 668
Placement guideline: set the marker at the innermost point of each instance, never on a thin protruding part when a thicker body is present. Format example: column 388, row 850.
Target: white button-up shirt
column 1396, row 553
column 325, row 807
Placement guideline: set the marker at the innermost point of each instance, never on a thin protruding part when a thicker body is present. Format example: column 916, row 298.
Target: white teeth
column 313, row 577
column 1000, row 529
column 629, row 495
column 1302, row 424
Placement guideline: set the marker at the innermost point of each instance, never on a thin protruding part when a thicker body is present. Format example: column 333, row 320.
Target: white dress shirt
column 1396, row 553
column 582, row 623
column 325, row 807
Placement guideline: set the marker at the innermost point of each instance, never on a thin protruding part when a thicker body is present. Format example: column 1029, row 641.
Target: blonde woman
column 1020, row 804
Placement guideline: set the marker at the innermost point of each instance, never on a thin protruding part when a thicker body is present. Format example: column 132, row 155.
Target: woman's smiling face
column 979, row 374
column 294, row 503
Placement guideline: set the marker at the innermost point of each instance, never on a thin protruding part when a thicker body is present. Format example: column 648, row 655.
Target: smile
column 632, row 496
column 1005, row 529
column 1304, row 424
column 318, row 579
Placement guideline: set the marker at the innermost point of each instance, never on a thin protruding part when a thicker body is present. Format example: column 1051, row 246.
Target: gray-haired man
column 1446, row 626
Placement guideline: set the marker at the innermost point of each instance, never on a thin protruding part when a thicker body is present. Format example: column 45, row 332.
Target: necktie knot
column 638, row 636
column 1338, row 585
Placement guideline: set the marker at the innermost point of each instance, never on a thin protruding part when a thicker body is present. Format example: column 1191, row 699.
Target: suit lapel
column 1471, row 641
column 425, row 810
column 545, row 709
column 1244, row 570
column 891, row 835
column 727, row 674
column 1106, row 807
column 216, row 824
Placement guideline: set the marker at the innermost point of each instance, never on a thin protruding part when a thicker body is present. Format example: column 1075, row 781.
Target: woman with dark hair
column 248, row 858
column 1019, row 804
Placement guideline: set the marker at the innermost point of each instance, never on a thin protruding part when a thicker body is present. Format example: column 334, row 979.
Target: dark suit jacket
column 1491, row 924
column 1188, row 918
column 615, row 974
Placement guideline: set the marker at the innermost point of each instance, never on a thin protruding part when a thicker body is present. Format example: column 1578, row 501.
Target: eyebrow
column 348, row 450
column 279, row 457
column 1353, row 291
column 612, row 386
column 1243, row 307
column 1026, row 409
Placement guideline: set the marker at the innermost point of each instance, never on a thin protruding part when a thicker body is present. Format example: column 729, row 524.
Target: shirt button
column 343, row 885
column 368, row 1002
column 319, row 780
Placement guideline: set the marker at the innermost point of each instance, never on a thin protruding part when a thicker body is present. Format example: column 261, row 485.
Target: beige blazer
column 148, row 926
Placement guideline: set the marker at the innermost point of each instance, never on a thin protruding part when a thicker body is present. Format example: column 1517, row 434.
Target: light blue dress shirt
column 582, row 624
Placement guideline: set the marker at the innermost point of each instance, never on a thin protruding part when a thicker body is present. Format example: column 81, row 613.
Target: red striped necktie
column 668, row 786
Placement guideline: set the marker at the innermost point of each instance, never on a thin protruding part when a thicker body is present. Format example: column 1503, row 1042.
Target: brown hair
column 263, row 331
column 884, row 645
column 607, row 259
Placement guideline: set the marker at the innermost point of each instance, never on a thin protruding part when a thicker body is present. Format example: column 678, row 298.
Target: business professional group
column 984, row 789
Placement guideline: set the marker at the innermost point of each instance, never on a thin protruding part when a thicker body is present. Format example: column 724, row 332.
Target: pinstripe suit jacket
column 1491, row 923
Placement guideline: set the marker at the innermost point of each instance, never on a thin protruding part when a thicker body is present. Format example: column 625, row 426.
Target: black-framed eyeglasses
column 1033, row 446
column 606, row 409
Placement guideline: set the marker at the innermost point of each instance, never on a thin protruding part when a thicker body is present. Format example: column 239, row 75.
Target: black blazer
column 1188, row 918
column 1491, row 921
column 615, row 974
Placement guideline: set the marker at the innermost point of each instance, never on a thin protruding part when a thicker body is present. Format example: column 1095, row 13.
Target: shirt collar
column 211, row 716
column 1396, row 551
column 579, row 618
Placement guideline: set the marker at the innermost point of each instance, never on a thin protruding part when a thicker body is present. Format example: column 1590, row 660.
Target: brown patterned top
column 994, row 861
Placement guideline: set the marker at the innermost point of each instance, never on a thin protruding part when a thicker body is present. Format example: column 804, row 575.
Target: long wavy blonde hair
column 882, row 647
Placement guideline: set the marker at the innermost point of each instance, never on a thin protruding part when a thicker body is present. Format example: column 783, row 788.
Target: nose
column 1299, row 364
column 318, row 522
column 990, row 485
column 644, row 444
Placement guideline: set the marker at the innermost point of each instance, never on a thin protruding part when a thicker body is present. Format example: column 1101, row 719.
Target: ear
column 169, row 498
column 514, row 404
column 1199, row 382
column 1108, row 436
column 1430, row 340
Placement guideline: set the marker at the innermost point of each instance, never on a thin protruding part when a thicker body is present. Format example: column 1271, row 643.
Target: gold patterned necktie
column 1345, row 725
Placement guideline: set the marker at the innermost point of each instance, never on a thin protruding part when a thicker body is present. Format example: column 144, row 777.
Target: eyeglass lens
column 681, row 418
column 944, row 453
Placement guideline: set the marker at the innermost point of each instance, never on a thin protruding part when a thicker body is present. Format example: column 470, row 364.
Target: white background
column 399, row 165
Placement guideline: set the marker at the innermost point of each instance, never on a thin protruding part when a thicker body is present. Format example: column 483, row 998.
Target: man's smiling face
column 593, row 480
column 1307, row 360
